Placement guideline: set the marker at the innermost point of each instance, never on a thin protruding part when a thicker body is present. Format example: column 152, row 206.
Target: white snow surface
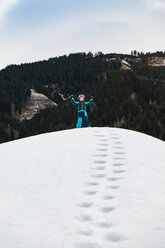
column 83, row 188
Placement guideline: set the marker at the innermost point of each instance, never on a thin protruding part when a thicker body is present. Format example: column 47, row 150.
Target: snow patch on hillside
column 35, row 104
column 156, row 61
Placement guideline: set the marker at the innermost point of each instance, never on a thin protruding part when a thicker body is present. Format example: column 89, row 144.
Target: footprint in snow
column 90, row 192
column 114, row 237
column 102, row 150
column 108, row 197
column 100, row 155
column 119, row 171
column 92, row 183
column 103, row 145
column 87, row 245
column 98, row 175
column 99, row 135
column 118, row 164
column 113, row 187
column 86, row 204
column 104, row 225
column 118, row 147
column 107, row 209
column 85, row 233
column 112, row 179
column 119, row 153
column 99, row 168
column 85, row 218
column 100, row 162
column 157, row 228
column 117, row 158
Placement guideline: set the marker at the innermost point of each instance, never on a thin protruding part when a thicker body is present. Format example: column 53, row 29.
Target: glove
column 71, row 96
column 92, row 97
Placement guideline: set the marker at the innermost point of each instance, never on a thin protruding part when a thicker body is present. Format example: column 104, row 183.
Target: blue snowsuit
column 82, row 114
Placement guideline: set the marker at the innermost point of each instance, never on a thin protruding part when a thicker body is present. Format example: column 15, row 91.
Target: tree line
column 133, row 99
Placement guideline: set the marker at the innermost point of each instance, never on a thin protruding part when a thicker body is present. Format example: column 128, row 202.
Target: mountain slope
column 132, row 99
column 83, row 188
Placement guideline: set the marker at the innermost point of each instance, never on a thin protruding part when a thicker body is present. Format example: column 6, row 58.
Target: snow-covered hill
column 83, row 188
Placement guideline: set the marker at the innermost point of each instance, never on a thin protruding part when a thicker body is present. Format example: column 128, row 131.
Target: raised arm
column 73, row 101
column 90, row 101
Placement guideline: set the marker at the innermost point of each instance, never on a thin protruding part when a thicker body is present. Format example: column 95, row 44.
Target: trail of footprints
column 101, row 188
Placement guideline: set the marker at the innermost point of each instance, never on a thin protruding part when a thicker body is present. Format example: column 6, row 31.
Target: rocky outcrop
column 125, row 65
column 156, row 61
column 35, row 103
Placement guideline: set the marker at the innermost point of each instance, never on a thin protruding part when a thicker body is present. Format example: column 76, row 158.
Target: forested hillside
column 132, row 98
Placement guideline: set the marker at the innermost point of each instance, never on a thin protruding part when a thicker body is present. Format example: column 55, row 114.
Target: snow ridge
column 83, row 188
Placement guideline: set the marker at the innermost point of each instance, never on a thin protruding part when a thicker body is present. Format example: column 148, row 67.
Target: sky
column 32, row 30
